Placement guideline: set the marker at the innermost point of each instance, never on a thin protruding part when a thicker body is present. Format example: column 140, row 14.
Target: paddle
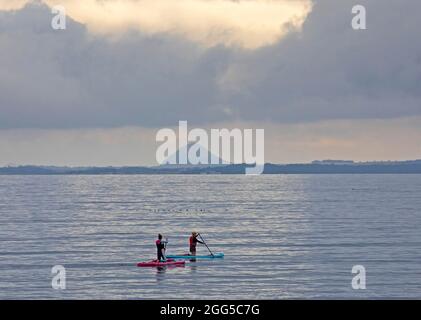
column 165, row 249
column 204, row 242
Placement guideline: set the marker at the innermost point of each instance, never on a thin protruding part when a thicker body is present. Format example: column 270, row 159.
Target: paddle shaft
column 204, row 242
column 164, row 254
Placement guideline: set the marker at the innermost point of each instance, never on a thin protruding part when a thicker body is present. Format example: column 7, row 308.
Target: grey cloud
column 71, row 79
column 330, row 71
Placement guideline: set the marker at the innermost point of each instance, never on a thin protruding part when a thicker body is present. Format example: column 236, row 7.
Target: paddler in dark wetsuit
column 160, row 247
column 193, row 242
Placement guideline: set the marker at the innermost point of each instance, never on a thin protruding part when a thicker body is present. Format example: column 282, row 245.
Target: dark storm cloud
column 330, row 71
column 71, row 79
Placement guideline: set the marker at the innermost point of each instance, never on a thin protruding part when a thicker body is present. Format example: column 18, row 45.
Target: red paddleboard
column 156, row 263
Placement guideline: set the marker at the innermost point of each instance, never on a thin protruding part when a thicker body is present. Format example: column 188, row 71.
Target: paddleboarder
column 160, row 247
column 193, row 242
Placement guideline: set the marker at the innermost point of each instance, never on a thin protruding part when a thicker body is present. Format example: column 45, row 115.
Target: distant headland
column 315, row 167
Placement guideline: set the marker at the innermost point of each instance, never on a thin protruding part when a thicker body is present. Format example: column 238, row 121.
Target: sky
column 97, row 92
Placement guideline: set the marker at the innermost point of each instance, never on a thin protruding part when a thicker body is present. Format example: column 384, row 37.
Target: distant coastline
column 316, row 167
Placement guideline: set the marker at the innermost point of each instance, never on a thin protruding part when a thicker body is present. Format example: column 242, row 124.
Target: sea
column 284, row 236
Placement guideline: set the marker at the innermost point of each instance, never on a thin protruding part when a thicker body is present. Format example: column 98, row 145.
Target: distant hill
column 171, row 161
column 319, row 167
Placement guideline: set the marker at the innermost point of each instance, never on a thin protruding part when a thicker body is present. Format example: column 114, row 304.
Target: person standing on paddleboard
column 193, row 242
column 160, row 247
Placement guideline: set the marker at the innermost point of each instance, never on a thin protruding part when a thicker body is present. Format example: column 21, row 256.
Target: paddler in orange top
column 193, row 242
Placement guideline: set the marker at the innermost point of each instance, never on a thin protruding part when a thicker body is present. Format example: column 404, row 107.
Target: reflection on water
column 160, row 271
column 193, row 267
column 292, row 236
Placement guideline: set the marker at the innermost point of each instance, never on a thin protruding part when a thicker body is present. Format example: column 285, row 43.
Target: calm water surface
column 284, row 236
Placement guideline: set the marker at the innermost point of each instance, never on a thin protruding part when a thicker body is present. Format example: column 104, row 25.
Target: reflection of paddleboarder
column 160, row 247
column 193, row 242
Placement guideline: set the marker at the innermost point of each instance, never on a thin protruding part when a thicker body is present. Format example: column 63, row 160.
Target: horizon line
column 313, row 162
